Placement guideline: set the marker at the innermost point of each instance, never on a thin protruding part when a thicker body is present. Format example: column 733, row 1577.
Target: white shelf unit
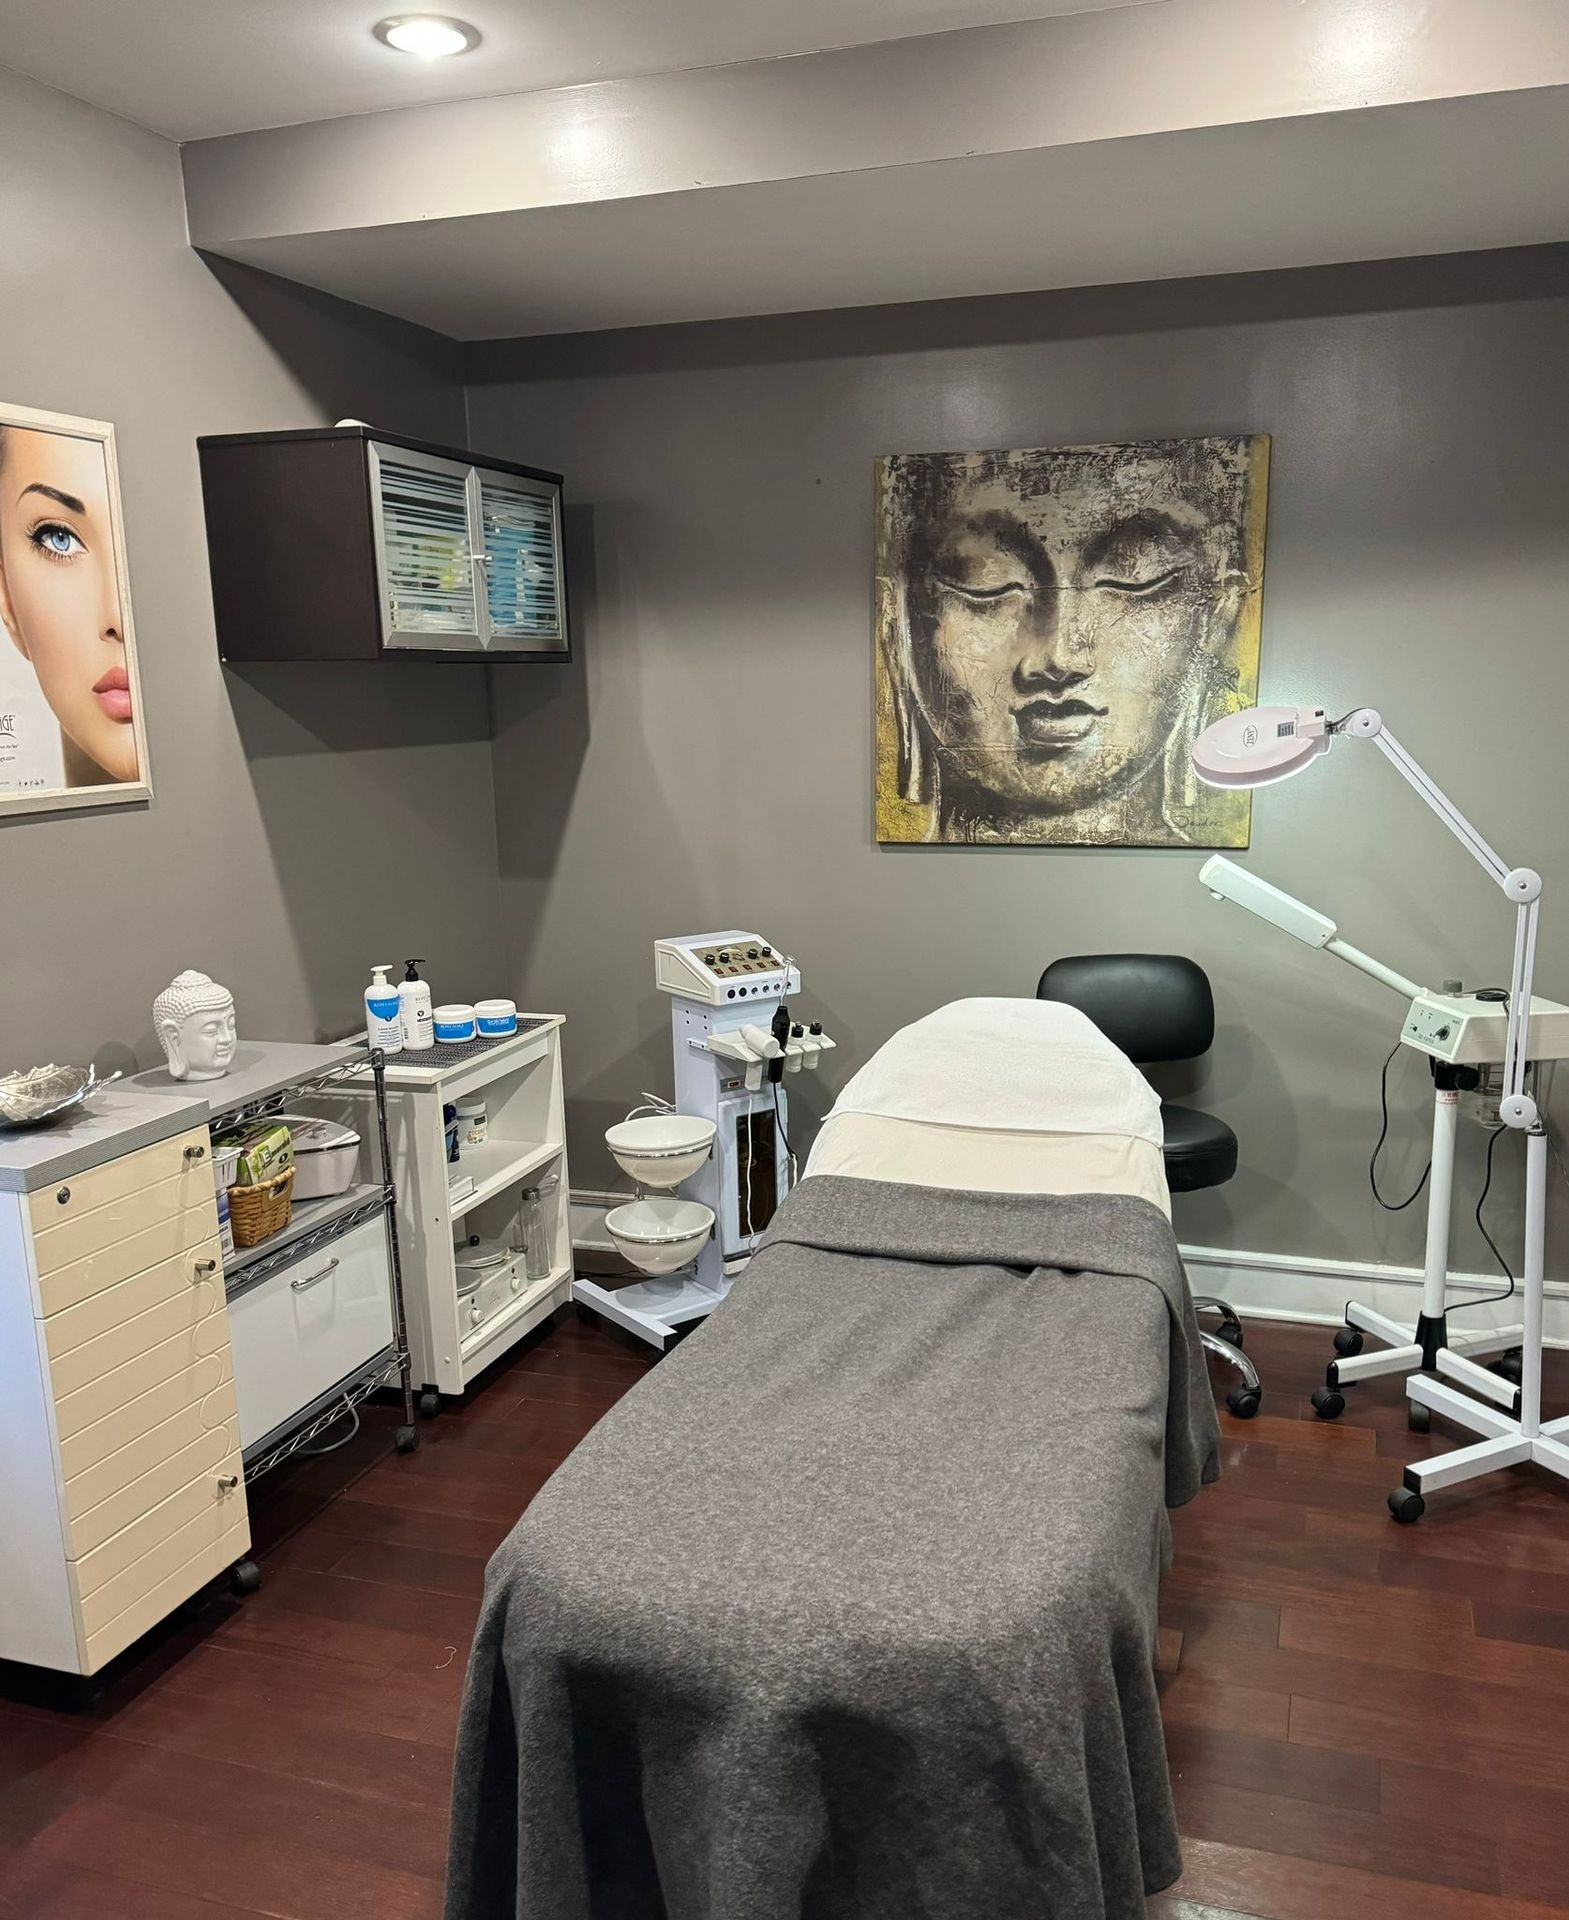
column 520, row 1080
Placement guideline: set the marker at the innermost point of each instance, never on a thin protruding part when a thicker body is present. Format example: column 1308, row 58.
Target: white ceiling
column 197, row 68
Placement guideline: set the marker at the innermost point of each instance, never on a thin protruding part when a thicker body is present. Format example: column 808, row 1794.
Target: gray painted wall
column 306, row 822
column 707, row 759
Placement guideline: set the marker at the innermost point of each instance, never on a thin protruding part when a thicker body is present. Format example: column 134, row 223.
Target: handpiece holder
column 1521, row 885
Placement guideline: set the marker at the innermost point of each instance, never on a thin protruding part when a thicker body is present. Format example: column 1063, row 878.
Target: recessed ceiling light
column 429, row 36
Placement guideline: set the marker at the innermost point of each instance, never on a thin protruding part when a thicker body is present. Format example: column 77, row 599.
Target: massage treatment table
column 847, row 1611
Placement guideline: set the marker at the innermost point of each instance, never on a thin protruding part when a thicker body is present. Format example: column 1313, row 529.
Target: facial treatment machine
column 1459, row 1033
column 725, row 1144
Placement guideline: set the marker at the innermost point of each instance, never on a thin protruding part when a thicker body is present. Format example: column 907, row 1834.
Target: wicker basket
column 260, row 1211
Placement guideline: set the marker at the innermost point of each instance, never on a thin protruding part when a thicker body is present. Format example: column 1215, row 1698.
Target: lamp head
column 1260, row 745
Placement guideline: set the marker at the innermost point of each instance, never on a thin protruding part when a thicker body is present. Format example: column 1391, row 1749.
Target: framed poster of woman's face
column 71, row 726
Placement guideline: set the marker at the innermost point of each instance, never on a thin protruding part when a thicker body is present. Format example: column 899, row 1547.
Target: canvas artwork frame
column 72, row 721
column 1053, row 629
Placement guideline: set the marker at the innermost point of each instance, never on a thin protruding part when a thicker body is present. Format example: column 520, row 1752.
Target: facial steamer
column 725, row 1143
column 1458, row 1032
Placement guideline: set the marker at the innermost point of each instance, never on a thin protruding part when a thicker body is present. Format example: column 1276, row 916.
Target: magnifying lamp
column 1264, row 745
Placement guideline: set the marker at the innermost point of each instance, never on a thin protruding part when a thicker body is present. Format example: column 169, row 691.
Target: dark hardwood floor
column 1363, row 1719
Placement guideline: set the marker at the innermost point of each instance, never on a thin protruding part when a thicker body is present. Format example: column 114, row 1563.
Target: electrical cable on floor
column 333, row 1445
column 1390, row 1206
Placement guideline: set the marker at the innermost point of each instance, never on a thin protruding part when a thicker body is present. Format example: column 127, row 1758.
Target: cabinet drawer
column 196, row 1386
column 101, row 1313
column 167, row 1554
column 308, row 1326
column 176, row 1233
column 65, row 1242
column 83, row 1193
column 178, row 1357
column 137, row 1556
column 204, row 1455
column 209, row 1559
column 89, row 1486
column 182, row 1308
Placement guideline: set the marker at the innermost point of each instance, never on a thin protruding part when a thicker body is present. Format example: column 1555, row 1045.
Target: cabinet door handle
column 207, row 1266
column 309, row 1279
column 196, row 1153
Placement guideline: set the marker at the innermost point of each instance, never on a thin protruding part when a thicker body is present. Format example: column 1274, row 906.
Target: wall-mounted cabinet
column 345, row 543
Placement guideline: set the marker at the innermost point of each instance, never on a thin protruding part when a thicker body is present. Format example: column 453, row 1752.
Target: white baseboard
column 1290, row 1286
column 1269, row 1286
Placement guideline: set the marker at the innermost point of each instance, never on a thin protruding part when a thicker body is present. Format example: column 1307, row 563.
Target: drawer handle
column 309, row 1279
column 196, row 1153
column 207, row 1266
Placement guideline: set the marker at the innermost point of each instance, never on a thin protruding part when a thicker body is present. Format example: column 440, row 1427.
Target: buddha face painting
column 1054, row 628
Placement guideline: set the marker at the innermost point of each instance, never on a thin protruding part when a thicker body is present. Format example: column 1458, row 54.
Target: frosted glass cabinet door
column 422, row 512
column 521, row 564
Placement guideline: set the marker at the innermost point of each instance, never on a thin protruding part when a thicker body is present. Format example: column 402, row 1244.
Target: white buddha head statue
column 194, row 1018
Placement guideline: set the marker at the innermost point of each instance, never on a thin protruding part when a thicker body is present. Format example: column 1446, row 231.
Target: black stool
column 1158, row 1006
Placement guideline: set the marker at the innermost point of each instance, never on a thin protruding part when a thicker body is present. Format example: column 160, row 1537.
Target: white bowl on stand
column 660, row 1233
column 661, row 1149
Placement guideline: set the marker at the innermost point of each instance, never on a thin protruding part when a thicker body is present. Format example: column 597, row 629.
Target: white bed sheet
column 999, row 1096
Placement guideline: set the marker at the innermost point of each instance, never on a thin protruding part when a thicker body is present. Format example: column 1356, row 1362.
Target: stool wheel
column 1244, row 1401
column 1329, row 1403
column 1230, row 1331
column 1406, row 1506
column 1348, row 1341
column 1418, row 1418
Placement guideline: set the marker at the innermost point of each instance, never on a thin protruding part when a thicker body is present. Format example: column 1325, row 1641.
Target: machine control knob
column 767, row 951
column 729, row 993
column 751, row 953
column 476, row 1314
column 708, row 959
column 817, row 1026
column 1442, row 1034
column 797, row 1030
column 724, row 958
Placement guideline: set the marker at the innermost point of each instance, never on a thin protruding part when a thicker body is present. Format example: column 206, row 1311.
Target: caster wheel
column 1508, row 1366
column 1406, row 1506
column 1348, row 1341
column 429, row 1404
column 244, row 1577
column 1329, row 1403
column 1418, row 1418
column 1231, row 1332
column 406, row 1439
column 1244, row 1401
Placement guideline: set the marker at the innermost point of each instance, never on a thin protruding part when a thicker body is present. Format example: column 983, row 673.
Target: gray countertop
column 119, row 1120
column 261, row 1067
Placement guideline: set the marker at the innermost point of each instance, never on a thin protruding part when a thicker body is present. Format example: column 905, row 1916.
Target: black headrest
column 1155, row 1006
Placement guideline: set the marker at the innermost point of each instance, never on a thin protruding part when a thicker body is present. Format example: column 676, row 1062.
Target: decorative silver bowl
column 43, row 1093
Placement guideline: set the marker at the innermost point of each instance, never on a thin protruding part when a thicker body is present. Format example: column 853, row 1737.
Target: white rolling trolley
column 442, row 1204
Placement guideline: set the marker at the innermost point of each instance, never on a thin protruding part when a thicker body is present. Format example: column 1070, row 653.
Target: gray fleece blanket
column 847, row 1611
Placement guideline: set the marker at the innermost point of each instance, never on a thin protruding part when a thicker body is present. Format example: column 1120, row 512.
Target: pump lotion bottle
column 414, row 1009
column 381, row 1012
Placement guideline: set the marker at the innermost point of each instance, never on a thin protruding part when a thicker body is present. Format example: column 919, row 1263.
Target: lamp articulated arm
column 1522, row 885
